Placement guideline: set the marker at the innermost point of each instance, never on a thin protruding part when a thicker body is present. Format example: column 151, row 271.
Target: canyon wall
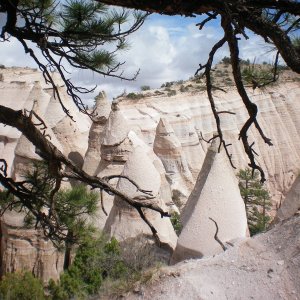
column 190, row 116
column 172, row 131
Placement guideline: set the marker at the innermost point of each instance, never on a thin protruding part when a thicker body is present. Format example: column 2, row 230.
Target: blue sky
column 165, row 48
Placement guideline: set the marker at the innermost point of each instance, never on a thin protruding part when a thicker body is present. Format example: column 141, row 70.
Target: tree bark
column 188, row 8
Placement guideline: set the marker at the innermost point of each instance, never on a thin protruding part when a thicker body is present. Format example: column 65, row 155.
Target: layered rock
column 99, row 119
column 124, row 221
column 215, row 197
column 278, row 115
column 118, row 143
column 29, row 92
column 24, row 248
column 168, row 148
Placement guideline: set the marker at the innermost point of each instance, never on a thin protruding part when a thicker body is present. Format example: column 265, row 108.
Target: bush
column 171, row 93
column 102, row 265
column 96, row 259
column 175, row 220
column 184, row 89
column 226, row 60
column 134, row 96
column 145, row 88
column 21, row 286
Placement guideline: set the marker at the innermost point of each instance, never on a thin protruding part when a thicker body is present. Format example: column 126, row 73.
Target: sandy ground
column 264, row 267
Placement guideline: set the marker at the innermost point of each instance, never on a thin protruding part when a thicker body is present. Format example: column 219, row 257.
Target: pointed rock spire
column 100, row 117
column 168, row 148
column 116, row 129
column 216, row 195
column 124, row 221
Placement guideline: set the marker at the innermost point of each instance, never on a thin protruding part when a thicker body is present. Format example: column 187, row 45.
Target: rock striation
column 124, row 222
column 215, row 197
column 24, row 89
column 168, row 148
column 279, row 111
column 24, row 248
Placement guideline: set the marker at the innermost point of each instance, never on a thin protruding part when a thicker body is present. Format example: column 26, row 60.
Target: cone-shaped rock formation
column 216, row 195
column 93, row 153
column 124, row 221
column 168, row 148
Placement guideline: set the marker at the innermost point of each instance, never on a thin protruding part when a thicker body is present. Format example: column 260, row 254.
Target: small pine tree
column 21, row 285
column 256, row 199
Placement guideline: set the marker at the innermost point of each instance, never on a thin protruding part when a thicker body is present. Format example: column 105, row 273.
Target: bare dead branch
column 216, row 235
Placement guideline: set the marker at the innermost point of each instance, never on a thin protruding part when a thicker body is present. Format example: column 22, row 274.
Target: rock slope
column 264, row 267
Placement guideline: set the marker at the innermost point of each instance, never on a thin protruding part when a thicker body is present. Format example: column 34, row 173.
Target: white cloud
column 164, row 49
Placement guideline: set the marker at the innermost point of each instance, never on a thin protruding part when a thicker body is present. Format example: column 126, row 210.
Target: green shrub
column 256, row 199
column 171, row 93
column 226, row 60
column 175, row 220
column 21, row 286
column 96, row 258
column 101, row 264
column 184, row 89
column 145, row 88
column 134, row 96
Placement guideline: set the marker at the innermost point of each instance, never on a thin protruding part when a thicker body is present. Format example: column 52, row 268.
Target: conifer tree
column 256, row 199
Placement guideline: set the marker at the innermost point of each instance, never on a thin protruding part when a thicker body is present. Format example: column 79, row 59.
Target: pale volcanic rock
column 185, row 131
column 168, row 148
column 115, row 121
column 100, row 116
column 25, row 151
column 124, row 221
column 25, row 248
column 24, row 88
column 266, row 266
column 216, row 195
column 291, row 205
column 279, row 111
column 118, row 142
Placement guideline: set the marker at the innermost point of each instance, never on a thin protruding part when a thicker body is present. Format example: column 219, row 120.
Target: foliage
column 75, row 33
column 226, row 60
column 255, row 75
column 256, row 199
column 21, row 286
column 171, row 93
column 134, row 96
column 175, row 220
column 69, row 206
column 145, row 88
column 184, row 89
column 100, row 263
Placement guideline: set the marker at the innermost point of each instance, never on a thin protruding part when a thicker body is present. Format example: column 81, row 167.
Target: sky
column 165, row 48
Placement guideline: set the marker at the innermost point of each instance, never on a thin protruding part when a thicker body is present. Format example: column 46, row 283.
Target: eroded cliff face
column 191, row 118
column 24, row 89
column 24, row 248
column 178, row 141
